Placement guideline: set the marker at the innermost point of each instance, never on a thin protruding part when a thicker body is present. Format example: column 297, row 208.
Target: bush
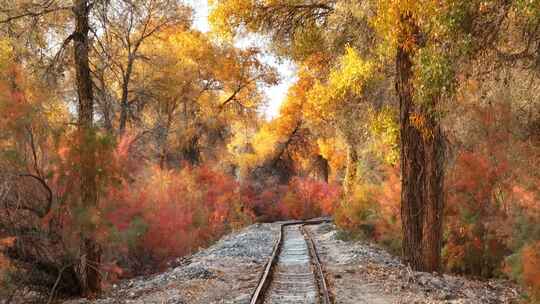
column 475, row 219
column 168, row 213
column 524, row 267
column 308, row 198
column 492, row 219
column 373, row 211
column 266, row 203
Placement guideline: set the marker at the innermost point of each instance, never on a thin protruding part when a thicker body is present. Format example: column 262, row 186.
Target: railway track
column 294, row 273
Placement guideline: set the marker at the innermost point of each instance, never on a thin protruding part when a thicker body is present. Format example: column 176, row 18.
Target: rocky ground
column 226, row 272
column 357, row 272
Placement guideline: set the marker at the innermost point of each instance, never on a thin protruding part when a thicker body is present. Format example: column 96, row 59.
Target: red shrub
column 373, row 211
column 492, row 207
column 475, row 217
column 530, row 257
column 169, row 213
column 307, row 198
column 266, row 203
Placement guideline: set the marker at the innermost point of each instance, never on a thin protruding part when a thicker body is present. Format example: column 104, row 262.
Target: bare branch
column 35, row 14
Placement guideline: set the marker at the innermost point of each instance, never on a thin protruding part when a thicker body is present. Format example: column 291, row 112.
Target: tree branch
column 35, row 14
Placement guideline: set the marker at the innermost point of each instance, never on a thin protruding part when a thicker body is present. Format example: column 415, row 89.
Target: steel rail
column 323, row 287
column 266, row 277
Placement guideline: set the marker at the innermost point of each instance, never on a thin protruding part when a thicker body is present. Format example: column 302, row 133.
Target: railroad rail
column 294, row 273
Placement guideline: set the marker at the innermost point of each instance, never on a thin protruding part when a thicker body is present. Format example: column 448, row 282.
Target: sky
column 286, row 69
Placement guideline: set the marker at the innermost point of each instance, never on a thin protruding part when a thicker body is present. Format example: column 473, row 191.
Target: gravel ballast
column 226, row 272
column 357, row 272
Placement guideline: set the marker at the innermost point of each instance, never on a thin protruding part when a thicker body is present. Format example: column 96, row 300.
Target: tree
column 197, row 89
column 89, row 277
column 422, row 161
column 433, row 44
column 124, row 27
column 386, row 25
column 90, row 250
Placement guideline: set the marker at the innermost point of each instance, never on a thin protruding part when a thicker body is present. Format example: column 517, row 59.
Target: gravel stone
column 357, row 272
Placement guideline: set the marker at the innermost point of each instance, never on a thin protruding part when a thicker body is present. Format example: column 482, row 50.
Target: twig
column 410, row 274
column 51, row 295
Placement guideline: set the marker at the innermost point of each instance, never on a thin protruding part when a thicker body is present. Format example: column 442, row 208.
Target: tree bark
column 90, row 251
column 351, row 170
column 124, row 102
column 422, row 160
column 321, row 169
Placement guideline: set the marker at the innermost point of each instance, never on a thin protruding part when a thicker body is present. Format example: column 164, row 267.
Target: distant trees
column 196, row 91
column 345, row 93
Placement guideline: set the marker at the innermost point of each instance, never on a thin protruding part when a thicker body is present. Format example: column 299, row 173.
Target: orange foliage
column 374, row 210
column 531, row 269
column 389, row 198
column 5, row 243
column 474, row 216
column 170, row 213
column 307, row 198
column 5, row 264
column 492, row 208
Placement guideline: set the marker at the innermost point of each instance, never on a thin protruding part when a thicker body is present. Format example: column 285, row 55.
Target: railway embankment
column 356, row 272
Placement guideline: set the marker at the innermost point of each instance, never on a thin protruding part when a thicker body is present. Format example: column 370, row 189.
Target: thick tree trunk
column 422, row 157
column 90, row 251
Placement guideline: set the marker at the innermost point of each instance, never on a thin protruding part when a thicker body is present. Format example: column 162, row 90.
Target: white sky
column 275, row 94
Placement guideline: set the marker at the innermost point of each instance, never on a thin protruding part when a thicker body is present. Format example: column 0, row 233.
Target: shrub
column 168, row 213
column 530, row 257
column 372, row 211
column 266, row 203
column 492, row 219
column 308, row 198
column 524, row 267
column 475, row 242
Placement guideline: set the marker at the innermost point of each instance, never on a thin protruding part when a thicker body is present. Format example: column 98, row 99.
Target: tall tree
column 22, row 17
column 90, row 250
column 422, row 160
column 125, row 27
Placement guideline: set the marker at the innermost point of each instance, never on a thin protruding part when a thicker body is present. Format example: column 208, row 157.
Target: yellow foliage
column 389, row 21
column 333, row 149
column 350, row 77
column 384, row 129
column 6, row 52
column 419, row 122
column 226, row 16
column 353, row 73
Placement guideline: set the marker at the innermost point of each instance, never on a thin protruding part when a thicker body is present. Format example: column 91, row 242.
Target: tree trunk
column 124, row 102
column 321, row 169
column 422, row 157
column 351, row 171
column 90, row 251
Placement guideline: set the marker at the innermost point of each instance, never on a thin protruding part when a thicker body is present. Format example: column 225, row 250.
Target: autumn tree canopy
column 131, row 137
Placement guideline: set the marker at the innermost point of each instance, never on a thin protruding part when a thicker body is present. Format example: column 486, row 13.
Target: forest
column 130, row 137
